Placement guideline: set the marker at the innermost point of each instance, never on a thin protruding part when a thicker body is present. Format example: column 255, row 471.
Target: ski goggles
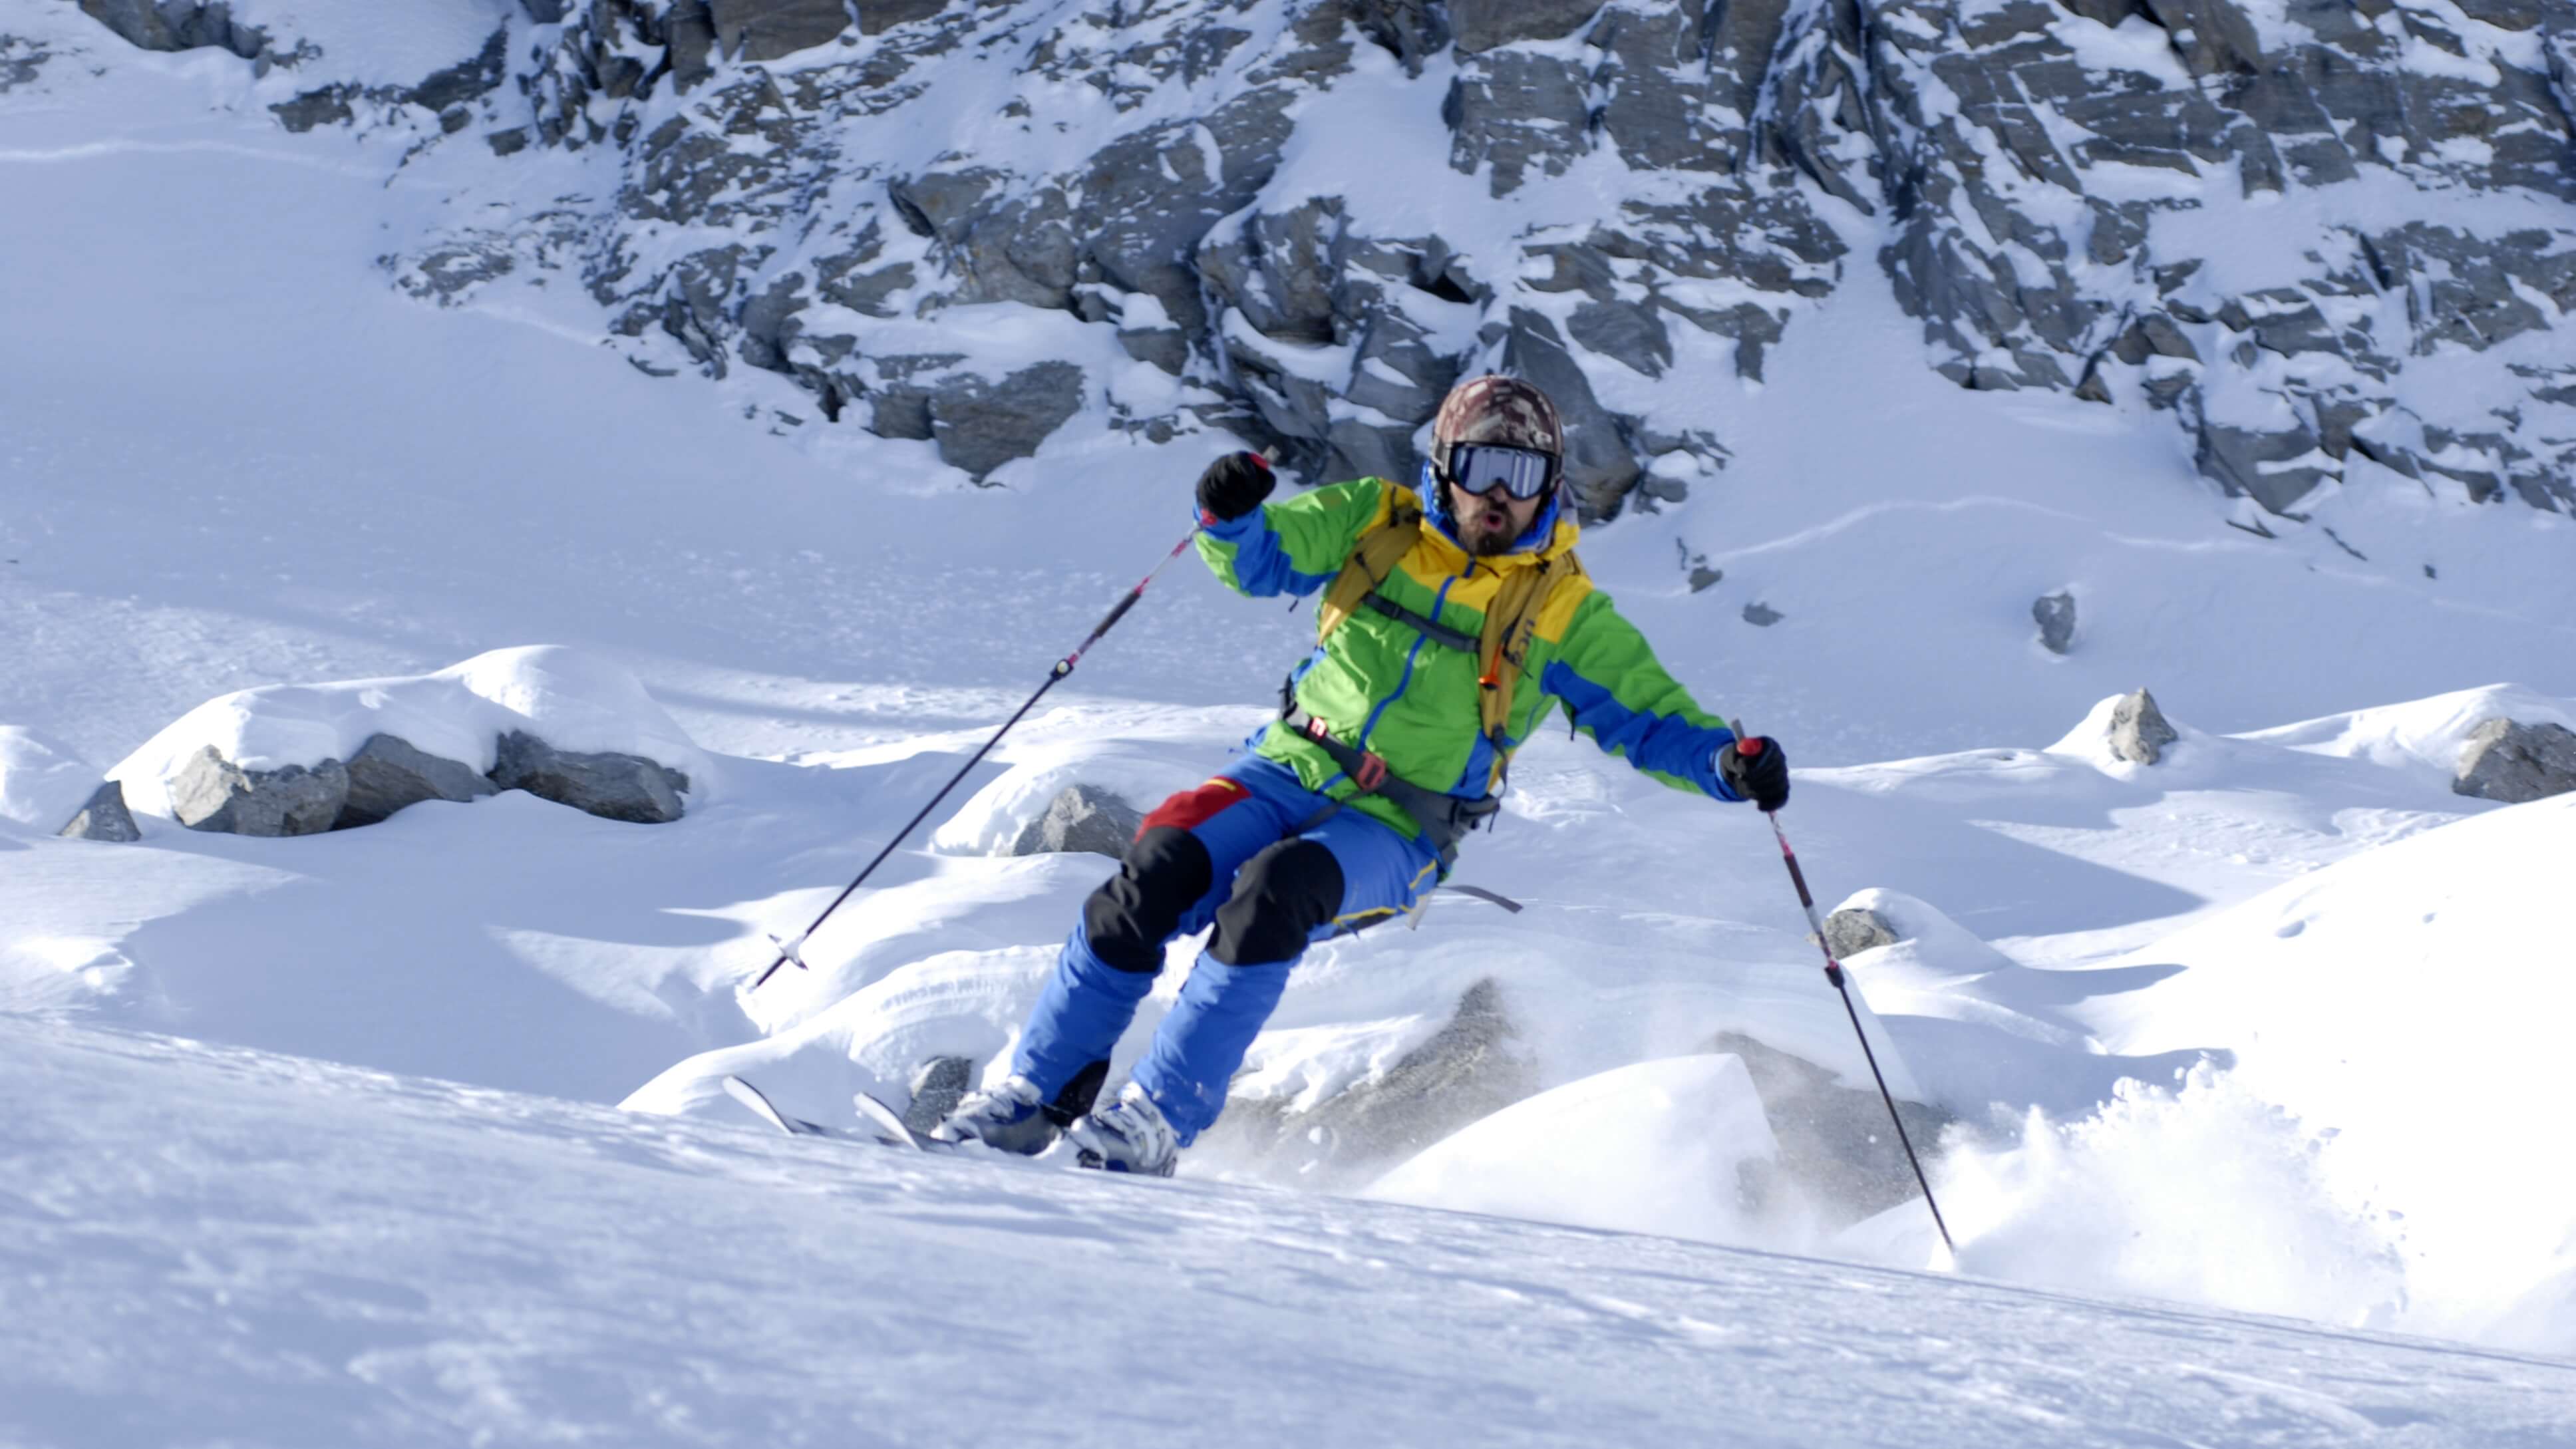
column 1482, row 469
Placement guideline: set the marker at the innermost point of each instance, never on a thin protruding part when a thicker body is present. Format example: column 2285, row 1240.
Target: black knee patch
column 1280, row 897
column 1129, row 918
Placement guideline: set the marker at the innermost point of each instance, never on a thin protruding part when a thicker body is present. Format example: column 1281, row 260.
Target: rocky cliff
column 2334, row 239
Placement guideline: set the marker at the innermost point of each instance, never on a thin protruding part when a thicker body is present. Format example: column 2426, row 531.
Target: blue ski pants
column 1266, row 862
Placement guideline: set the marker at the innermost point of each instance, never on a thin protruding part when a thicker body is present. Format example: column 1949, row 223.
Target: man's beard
column 1484, row 540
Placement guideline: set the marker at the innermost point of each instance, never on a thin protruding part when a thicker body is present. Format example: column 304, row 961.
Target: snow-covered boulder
column 611, row 784
column 2139, row 730
column 1854, row 929
column 2120, row 734
column 1677, row 1146
column 209, row 792
column 1081, row 818
column 2055, row 615
column 388, row 773
column 1067, row 795
column 298, row 759
column 104, row 818
column 1473, row 1065
column 2513, row 762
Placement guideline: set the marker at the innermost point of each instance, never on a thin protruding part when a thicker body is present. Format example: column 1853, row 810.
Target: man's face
column 1488, row 523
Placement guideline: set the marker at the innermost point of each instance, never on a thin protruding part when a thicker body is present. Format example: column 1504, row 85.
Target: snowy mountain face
column 2330, row 238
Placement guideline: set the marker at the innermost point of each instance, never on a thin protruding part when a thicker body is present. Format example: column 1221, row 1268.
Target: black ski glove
column 1233, row 486
column 1756, row 770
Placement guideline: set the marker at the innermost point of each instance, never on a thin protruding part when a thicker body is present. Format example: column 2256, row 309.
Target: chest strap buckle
column 1371, row 770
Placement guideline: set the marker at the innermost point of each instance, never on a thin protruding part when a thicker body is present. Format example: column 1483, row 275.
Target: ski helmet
column 1500, row 411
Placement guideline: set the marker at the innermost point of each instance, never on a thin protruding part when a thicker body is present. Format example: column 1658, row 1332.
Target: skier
column 1443, row 635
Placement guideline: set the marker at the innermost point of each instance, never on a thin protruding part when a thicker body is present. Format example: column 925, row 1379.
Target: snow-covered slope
column 208, row 1245
column 237, row 458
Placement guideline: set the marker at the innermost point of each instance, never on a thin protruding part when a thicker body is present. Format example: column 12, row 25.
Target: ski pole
column 1834, row 974
column 788, row 949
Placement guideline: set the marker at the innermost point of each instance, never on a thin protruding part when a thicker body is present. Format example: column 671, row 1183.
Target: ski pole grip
column 1117, row 611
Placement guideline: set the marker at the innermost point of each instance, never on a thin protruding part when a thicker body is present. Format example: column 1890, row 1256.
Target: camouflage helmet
column 1503, row 411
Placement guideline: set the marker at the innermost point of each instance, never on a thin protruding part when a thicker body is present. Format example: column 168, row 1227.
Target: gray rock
column 172, row 25
column 2276, row 469
column 1850, row 931
column 2506, row 760
column 1410, row 30
column 2056, row 615
column 1471, row 1068
column 104, row 818
column 938, row 1085
column 610, row 785
column 21, row 61
column 876, row 17
column 387, row 773
column 980, row 425
column 1627, row 332
column 1081, row 818
column 212, row 793
column 1834, row 1140
column 1600, row 465
column 1942, row 124
column 1761, row 615
column 1515, row 111
column 2139, row 731
column 328, row 106
column 467, row 80
column 755, row 30
column 1484, row 24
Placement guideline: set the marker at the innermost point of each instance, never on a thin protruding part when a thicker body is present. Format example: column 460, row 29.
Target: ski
column 884, row 1125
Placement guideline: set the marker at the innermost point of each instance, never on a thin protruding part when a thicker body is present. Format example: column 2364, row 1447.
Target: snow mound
column 2420, row 737
column 572, row 700
column 42, row 783
column 1677, row 1147
column 2379, row 1154
column 989, row 822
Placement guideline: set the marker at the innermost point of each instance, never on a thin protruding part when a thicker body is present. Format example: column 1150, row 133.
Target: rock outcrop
column 212, row 793
column 2055, row 614
column 104, row 818
column 1081, row 818
column 1834, row 1140
column 387, row 773
column 1850, row 931
column 1471, row 1068
column 2058, row 192
column 2139, row 730
column 607, row 784
column 2513, row 762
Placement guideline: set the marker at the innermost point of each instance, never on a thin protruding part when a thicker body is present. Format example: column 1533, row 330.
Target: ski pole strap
column 1443, row 819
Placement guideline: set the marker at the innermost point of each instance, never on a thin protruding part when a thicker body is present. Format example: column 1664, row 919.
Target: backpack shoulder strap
column 1510, row 623
column 1379, row 550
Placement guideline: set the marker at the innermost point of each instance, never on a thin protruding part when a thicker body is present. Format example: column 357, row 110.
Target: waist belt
column 1444, row 819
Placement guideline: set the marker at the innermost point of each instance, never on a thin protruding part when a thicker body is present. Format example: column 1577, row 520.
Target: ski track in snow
column 288, row 1251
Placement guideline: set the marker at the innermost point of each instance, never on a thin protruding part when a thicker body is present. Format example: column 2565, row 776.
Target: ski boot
column 1009, row 1115
column 1128, row 1135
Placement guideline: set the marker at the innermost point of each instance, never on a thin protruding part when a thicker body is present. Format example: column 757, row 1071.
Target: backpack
column 1510, row 620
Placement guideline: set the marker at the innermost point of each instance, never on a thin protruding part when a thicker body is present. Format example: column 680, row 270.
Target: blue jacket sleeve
column 1615, row 691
